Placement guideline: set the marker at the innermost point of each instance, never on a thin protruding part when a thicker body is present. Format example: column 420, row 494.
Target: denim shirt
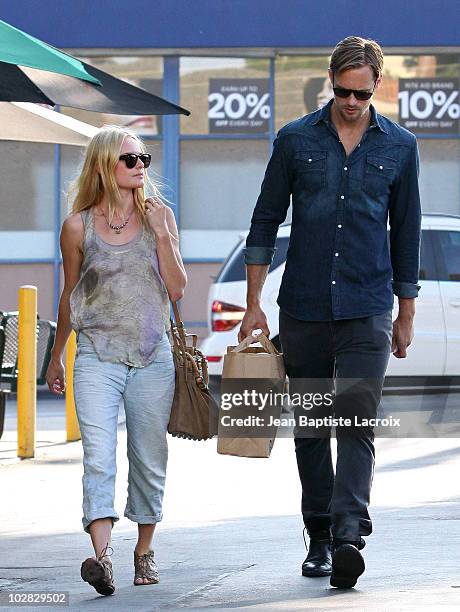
column 340, row 262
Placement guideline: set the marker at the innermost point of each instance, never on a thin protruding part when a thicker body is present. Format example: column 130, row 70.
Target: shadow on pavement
column 249, row 562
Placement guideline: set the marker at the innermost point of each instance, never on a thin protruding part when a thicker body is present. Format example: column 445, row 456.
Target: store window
column 301, row 86
column 27, row 204
column 220, row 175
column 225, row 95
column 220, row 182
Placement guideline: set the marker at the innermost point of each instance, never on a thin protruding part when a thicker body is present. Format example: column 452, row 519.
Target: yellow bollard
column 27, row 370
column 73, row 429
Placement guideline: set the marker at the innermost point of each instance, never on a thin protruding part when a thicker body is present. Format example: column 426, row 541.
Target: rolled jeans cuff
column 144, row 520
column 109, row 513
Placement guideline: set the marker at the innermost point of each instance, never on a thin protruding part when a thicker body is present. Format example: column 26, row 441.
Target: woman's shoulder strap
column 86, row 217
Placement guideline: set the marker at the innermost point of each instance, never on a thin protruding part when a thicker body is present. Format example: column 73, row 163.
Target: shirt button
column 342, row 197
column 380, row 167
column 333, row 282
column 310, row 160
column 339, row 226
column 359, row 145
column 336, row 254
column 345, row 168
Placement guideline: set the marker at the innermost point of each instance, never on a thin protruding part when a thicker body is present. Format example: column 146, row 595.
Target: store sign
column 238, row 105
column 430, row 105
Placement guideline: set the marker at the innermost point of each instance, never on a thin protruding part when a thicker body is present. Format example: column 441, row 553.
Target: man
column 349, row 170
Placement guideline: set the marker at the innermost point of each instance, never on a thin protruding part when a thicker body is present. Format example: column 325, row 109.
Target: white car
column 435, row 350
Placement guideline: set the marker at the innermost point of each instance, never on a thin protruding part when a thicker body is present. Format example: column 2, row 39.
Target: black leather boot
column 347, row 563
column 319, row 559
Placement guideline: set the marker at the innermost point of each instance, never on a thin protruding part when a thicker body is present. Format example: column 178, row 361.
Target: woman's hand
column 171, row 266
column 155, row 212
column 55, row 376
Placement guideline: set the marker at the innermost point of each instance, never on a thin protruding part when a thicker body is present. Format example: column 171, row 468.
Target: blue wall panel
column 235, row 23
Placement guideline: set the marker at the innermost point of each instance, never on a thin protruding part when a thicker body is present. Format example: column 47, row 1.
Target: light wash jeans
column 147, row 393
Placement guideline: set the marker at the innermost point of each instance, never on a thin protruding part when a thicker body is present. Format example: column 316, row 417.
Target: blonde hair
column 97, row 176
column 355, row 52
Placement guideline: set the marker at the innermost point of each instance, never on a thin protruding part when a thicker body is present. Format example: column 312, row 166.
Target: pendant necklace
column 118, row 228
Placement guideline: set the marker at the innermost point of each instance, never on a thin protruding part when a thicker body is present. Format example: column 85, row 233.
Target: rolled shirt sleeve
column 405, row 228
column 406, row 290
column 258, row 255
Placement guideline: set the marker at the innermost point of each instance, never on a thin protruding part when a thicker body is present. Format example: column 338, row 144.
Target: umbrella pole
column 171, row 144
column 57, row 228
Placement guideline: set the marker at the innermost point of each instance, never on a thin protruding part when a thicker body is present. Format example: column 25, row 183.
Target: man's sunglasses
column 359, row 94
column 130, row 159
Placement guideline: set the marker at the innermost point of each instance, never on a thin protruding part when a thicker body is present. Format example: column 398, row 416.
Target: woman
column 122, row 266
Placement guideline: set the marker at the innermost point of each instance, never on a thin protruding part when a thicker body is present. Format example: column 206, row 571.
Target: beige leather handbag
column 194, row 411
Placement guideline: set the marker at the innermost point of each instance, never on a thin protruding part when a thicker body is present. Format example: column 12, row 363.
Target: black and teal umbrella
column 114, row 96
column 25, row 76
column 17, row 49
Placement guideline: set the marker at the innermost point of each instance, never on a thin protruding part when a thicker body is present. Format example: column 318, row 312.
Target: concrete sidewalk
column 50, row 425
column 232, row 534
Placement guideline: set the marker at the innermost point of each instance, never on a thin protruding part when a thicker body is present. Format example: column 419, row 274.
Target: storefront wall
column 210, row 165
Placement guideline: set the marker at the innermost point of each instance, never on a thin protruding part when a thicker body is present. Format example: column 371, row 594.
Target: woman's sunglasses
column 130, row 159
column 359, row 94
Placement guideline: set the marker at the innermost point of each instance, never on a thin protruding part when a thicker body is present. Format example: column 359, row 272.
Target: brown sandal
column 99, row 573
column 145, row 568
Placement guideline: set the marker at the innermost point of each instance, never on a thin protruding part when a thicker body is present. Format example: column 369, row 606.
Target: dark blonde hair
column 356, row 52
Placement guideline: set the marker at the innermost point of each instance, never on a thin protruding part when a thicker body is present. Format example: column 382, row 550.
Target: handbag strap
column 177, row 318
column 264, row 341
column 179, row 325
column 178, row 321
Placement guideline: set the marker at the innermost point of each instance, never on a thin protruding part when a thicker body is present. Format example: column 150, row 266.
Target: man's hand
column 403, row 333
column 254, row 318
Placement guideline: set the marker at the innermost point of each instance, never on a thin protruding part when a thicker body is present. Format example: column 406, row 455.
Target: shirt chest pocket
column 310, row 170
column 379, row 175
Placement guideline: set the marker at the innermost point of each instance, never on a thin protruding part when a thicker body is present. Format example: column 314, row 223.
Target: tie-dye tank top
column 120, row 301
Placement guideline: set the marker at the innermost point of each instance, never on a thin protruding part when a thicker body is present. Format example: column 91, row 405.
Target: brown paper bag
column 245, row 362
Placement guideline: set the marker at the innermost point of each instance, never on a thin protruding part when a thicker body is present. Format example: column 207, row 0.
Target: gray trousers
column 338, row 351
